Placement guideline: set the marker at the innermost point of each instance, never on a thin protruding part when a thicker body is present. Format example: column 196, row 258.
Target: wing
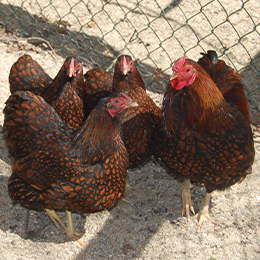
column 225, row 156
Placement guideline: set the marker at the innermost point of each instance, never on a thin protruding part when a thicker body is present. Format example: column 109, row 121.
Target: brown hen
column 139, row 122
column 205, row 135
column 27, row 74
column 98, row 84
column 58, row 167
column 64, row 92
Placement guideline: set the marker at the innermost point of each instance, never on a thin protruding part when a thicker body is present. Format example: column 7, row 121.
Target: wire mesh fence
column 154, row 32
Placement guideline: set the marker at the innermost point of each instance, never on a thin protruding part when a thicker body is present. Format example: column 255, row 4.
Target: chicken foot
column 70, row 229
column 204, row 212
column 186, row 199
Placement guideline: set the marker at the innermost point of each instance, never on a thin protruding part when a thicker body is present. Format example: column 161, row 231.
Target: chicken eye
column 116, row 100
column 188, row 70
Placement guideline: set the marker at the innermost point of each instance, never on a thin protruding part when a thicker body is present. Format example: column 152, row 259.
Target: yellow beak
column 71, row 72
column 173, row 76
column 132, row 103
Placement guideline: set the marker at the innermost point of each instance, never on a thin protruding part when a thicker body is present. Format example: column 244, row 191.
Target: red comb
column 124, row 62
column 179, row 64
column 124, row 95
column 72, row 64
column 72, row 61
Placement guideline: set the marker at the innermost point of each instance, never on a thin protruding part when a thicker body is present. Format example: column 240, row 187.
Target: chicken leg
column 70, row 229
column 54, row 217
column 128, row 186
column 186, row 199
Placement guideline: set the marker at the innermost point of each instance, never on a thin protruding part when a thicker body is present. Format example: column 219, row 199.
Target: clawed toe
column 203, row 215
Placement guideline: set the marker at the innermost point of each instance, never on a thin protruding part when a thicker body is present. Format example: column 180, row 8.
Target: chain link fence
column 154, row 32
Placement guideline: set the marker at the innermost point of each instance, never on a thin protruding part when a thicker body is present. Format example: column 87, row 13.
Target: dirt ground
column 150, row 226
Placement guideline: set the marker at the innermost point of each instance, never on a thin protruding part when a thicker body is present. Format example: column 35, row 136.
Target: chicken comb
column 124, row 95
column 124, row 62
column 71, row 69
column 179, row 64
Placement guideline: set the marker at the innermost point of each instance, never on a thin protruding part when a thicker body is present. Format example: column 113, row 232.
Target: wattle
column 177, row 84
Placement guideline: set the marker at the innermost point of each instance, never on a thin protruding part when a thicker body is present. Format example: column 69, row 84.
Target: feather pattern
column 205, row 134
column 56, row 166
